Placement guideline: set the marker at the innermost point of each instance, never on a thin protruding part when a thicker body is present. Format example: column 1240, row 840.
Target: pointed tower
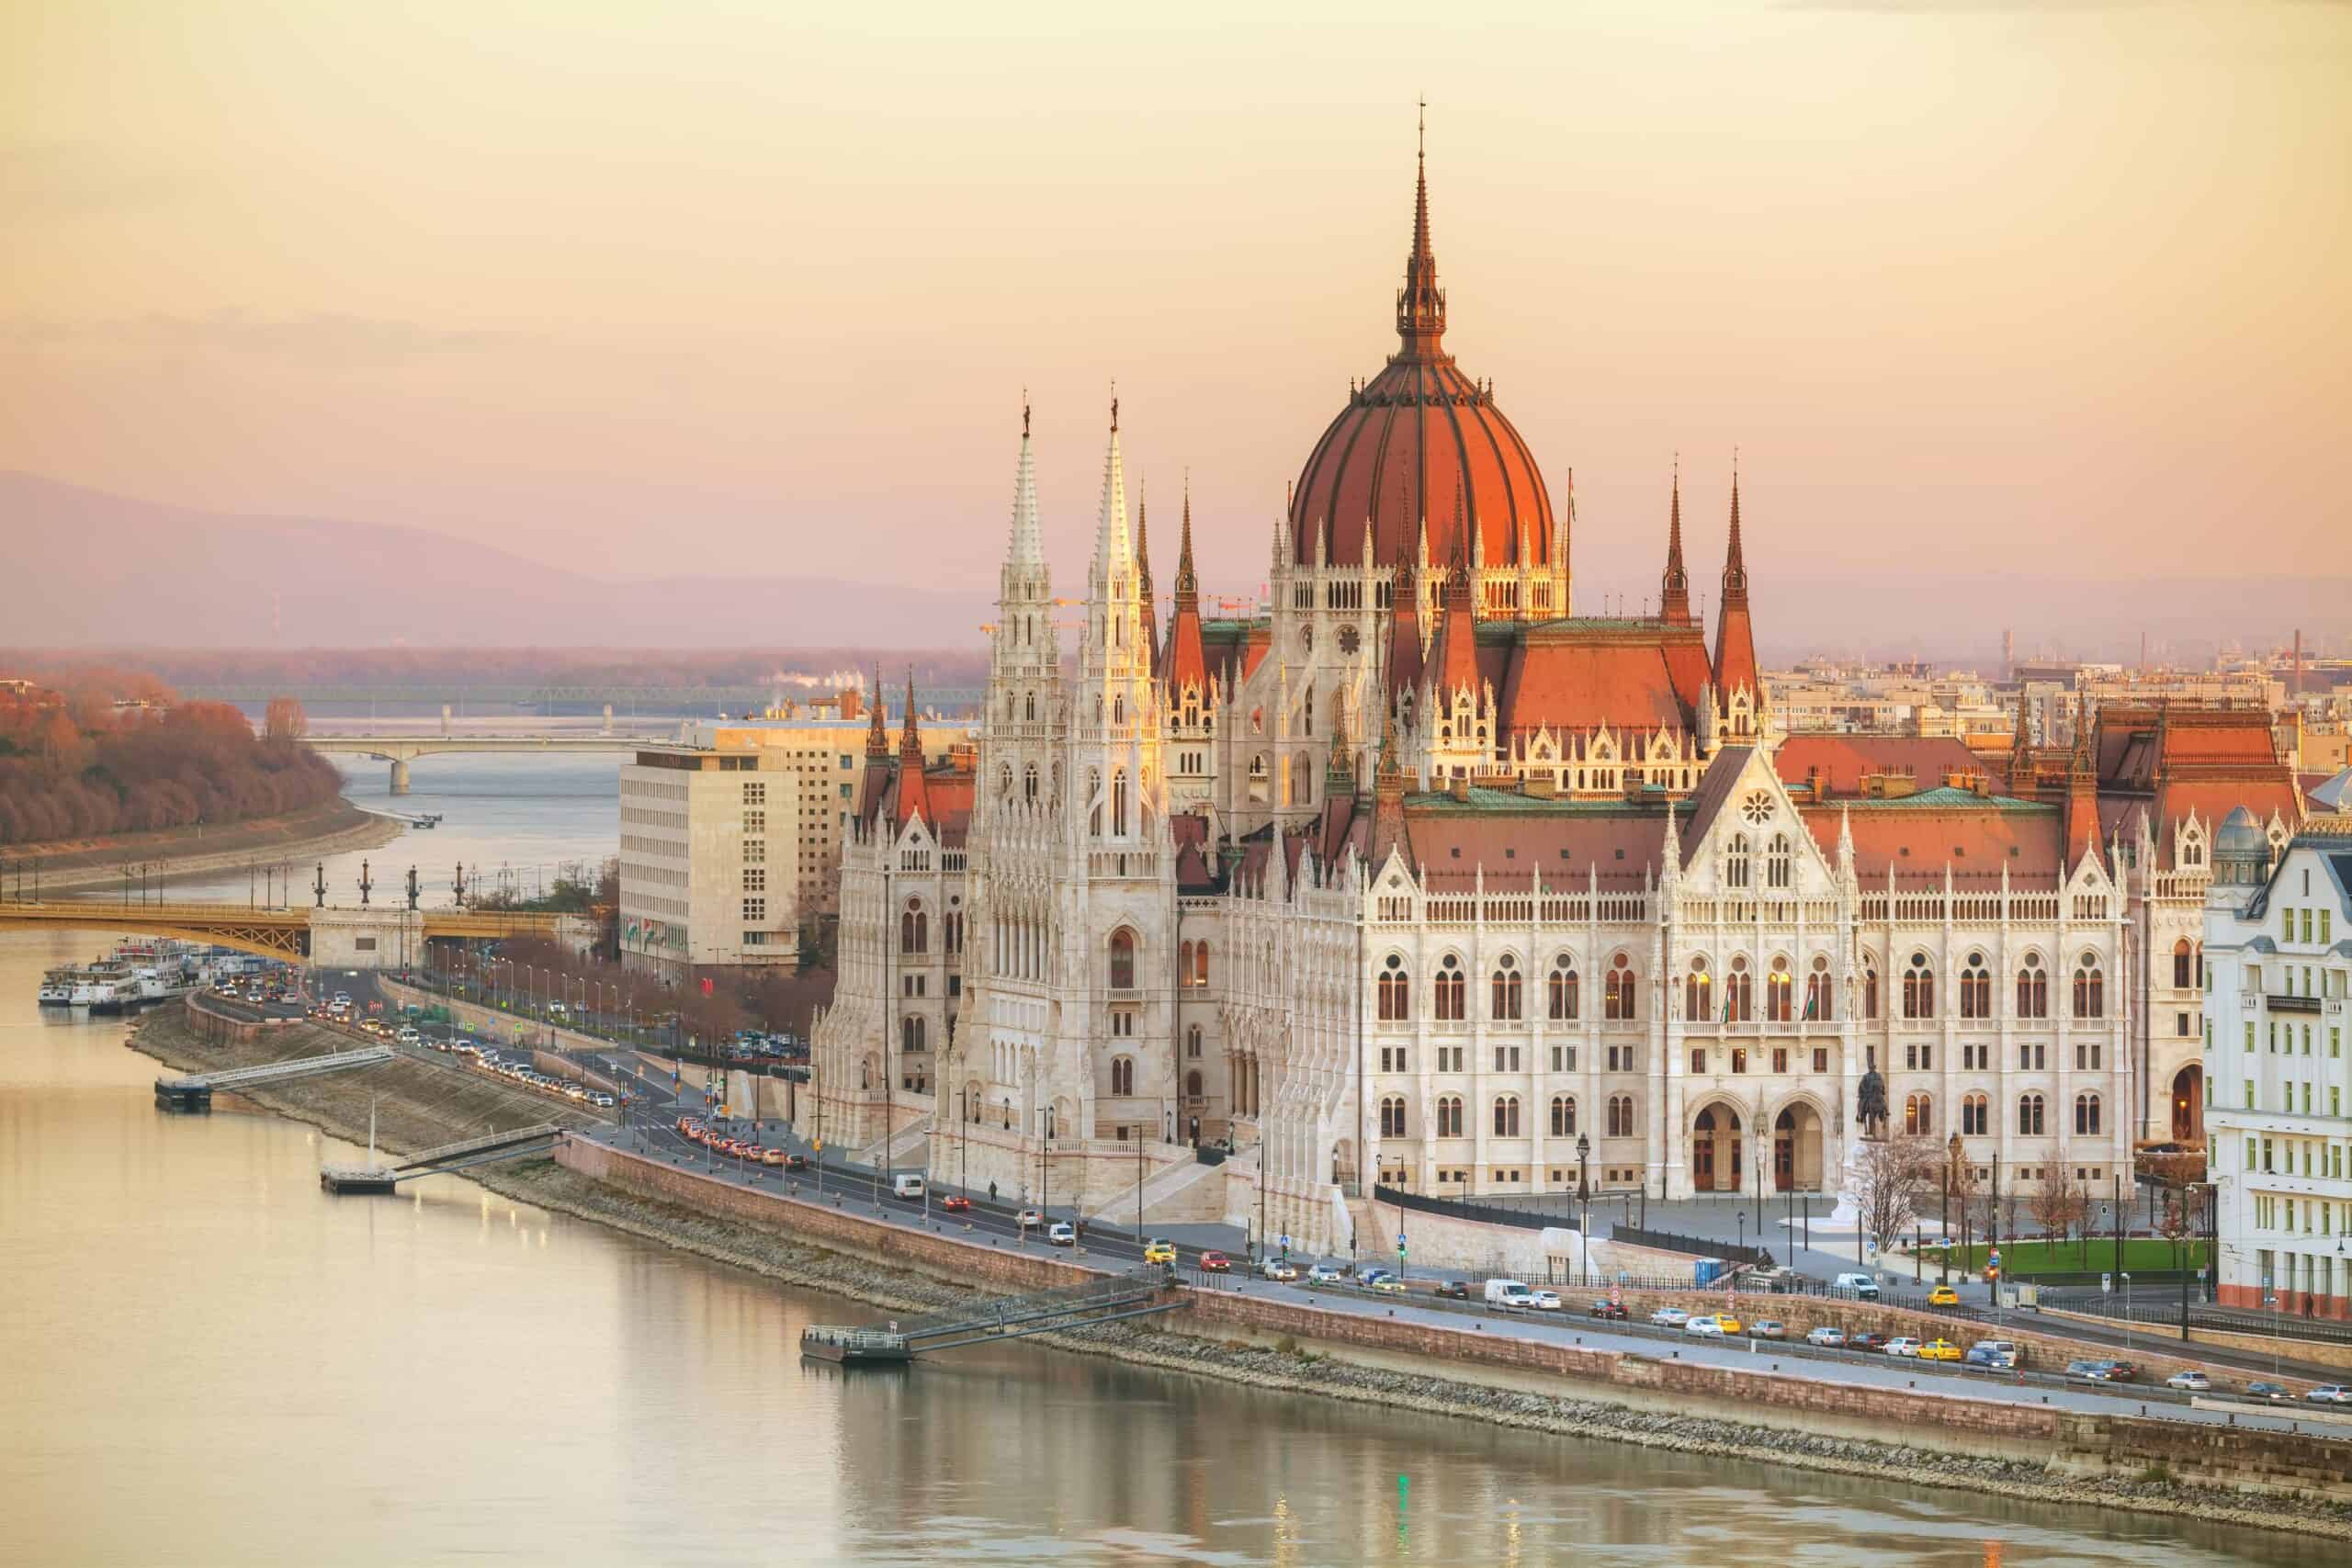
column 1737, row 687
column 914, row 798
column 1674, row 586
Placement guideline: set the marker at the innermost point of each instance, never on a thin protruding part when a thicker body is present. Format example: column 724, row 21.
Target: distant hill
column 107, row 570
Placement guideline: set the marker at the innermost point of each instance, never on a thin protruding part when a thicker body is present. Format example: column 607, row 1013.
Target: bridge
column 400, row 750
column 460, row 1155
column 195, row 1093
column 1136, row 1293
column 364, row 938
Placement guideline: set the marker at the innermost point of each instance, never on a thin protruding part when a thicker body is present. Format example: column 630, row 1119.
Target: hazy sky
column 651, row 288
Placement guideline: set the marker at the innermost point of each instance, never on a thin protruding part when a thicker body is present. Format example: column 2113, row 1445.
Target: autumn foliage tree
column 83, row 763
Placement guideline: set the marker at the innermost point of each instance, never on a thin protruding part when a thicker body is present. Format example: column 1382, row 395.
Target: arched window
column 915, row 927
column 1453, row 992
column 1918, row 989
column 1620, row 1116
column 1739, row 994
column 2183, row 969
column 2086, row 1113
column 1564, row 1116
column 1777, row 874
column 1392, row 1117
column 1617, row 991
column 2033, row 988
column 1199, row 962
column 1123, row 1075
column 1563, row 997
column 1919, row 1114
column 2029, row 1115
column 1449, row 1116
column 1193, row 1041
column 1975, row 989
column 911, row 1034
column 1698, row 992
column 1869, row 987
column 1975, row 1116
column 2090, row 988
column 1780, row 992
column 1507, row 1116
column 1820, row 1004
column 1735, row 855
column 1507, row 998
column 1396, row 990
column 1123, row 960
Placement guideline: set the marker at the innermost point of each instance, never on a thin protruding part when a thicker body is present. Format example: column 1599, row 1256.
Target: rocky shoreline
column 548, row 1186
column 186, row 852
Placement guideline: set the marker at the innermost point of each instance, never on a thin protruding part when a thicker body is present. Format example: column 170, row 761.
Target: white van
column 1508, row 1293
column 906, row 1187
column 1862, row 1285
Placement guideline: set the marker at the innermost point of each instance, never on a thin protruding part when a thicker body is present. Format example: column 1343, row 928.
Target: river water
column 206, row 1359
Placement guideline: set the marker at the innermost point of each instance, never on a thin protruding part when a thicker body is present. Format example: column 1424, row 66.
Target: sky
column 646, row 288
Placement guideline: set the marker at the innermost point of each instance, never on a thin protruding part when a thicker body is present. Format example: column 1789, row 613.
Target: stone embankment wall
column 1997, row 1429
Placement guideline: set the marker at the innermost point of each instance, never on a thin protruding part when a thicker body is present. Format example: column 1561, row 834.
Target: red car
column 956, row 1205
column 1215, row 1263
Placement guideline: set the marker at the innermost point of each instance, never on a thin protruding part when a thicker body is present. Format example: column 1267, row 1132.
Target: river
column 209, row 1361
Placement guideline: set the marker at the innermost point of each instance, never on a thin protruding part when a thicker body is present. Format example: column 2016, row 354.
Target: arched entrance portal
column 1716, row 1150
column 2188, row 1104
column 1796, row 1150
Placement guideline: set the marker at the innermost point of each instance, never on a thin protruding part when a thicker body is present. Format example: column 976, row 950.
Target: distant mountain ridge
column 111, row 572
column 108, row 570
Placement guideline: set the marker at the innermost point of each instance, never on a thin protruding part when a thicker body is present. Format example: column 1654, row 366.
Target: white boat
column 57, row 987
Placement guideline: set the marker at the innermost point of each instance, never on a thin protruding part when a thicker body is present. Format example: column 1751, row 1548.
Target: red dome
column 1421, row 441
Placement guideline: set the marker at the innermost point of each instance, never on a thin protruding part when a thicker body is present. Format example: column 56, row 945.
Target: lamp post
column 1584, row 1202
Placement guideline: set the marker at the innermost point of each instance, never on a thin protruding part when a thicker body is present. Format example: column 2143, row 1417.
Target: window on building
column 1395, row 990
column 1563, row 989
column 1453, row 990
column 1507, row 998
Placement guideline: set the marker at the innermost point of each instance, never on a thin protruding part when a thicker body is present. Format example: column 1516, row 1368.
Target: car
column 1061, row 1233
column 2274, row 1393
column 1767, row 1329
column 1158, row 1250
column 1940, row 1350
column 1029, row 1219
column 1866, row 1341
column 954, row 1204
column 1943, row 1296
column 1707, row 1325
column 1390, row 1285
column 1903, row 1344
column 1325, row 1274
column 2085, row 1371
column 1826, row 1338
column 1215, row 1263
column 2191, row 1381
column 1670, row 1317
column 1277, row 1269
column 2330, row 1393
column 1455, row 1290
column 1611, row 1312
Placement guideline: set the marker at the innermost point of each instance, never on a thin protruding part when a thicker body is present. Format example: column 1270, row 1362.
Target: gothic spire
column 1674, row 587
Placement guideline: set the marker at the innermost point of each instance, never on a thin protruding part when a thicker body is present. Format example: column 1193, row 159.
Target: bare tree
column 1891, row 1176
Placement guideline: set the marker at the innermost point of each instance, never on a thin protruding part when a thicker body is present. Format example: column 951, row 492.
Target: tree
column 1891, row 1175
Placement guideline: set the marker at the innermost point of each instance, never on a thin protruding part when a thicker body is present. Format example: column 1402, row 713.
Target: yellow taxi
column 1943, row 1296
column 1940, row 1350
column 1159, row 1251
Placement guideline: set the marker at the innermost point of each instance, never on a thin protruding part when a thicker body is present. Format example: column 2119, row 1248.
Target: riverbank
column 179, row 853
column 422, row 1104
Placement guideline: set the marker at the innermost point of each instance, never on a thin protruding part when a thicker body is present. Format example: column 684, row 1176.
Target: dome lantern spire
column 1421, row 304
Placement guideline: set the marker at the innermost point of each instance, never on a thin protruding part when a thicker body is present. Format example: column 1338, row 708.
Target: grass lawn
column 2024, row 1258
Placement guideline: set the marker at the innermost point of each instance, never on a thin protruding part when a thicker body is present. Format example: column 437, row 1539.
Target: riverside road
column 649, row 1126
